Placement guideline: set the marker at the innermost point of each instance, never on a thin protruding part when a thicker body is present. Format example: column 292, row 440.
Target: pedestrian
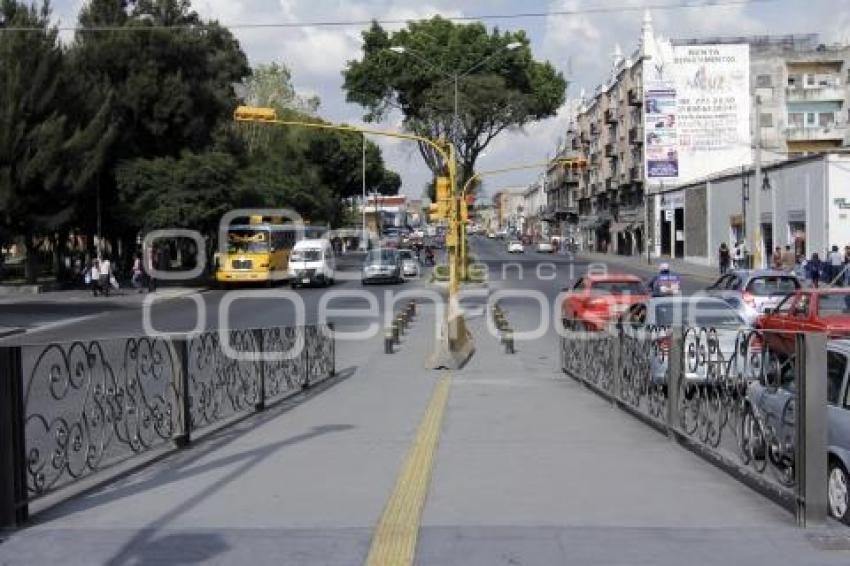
column 788, row 260
column 105, row 276
column 739, row 255
column 136, row 278
column 835, row 261
column 813, row 270
column 847, row 266
column 723, row 257
column 776, row 258
column 94, row 276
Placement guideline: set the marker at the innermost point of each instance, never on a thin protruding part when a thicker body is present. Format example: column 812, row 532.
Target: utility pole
column 365, row 232
column 646, row 239
column 756, row 251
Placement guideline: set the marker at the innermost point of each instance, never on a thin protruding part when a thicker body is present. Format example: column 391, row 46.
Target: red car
column 594, row 300
column 807, row 310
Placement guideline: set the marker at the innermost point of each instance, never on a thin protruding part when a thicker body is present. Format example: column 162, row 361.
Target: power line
column 681, row 5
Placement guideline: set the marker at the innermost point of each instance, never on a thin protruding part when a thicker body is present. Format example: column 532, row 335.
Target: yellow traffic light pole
column 455, row 346
column 578, row 163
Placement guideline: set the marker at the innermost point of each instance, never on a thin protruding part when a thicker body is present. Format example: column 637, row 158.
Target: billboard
column 697, row 110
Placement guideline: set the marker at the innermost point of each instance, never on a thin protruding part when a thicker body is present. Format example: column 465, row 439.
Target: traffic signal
column 444, row 189
column 439, row 210
column 464, row 211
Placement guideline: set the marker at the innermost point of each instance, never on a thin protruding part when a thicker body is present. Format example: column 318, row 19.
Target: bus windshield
column 247, row 241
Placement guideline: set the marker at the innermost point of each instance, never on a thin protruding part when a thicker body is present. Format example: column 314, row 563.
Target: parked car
column 595, row 300
column 659, row 315
column 409, row 264
column 515, row 247
column 382, row 265
column 768, row 425
column 545, row 247
column 753, row 292
column 807, row 310
column 311, row 262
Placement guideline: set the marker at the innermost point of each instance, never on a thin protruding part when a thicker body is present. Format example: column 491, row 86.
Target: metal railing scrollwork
column 73, row 409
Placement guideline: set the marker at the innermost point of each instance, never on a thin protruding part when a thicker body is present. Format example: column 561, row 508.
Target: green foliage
column 497, row 88
column 270, row 86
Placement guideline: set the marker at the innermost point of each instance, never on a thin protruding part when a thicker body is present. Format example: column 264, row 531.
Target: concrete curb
column 603, row 258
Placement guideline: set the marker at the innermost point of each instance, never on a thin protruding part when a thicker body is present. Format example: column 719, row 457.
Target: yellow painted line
column 394, row 541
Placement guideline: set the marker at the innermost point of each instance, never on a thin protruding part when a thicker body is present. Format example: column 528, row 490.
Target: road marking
column 394, row 541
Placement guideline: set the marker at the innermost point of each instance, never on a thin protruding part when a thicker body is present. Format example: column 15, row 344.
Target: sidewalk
column 123, row 296
column 703, row 272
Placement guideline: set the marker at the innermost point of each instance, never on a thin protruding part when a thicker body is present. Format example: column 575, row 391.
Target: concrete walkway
column 530, row 469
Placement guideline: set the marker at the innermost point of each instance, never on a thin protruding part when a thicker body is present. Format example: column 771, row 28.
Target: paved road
column 504, row 462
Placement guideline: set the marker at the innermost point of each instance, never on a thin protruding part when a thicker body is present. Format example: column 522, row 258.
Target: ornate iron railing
column 729, row 394
column 87, row 405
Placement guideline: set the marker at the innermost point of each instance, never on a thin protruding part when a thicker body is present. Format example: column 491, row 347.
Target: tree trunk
column 31, row 265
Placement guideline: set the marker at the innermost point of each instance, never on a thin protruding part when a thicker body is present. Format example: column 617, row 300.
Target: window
column 796, row 119
column 811, row 119
column 826, row 119
column 785, row 306
column 801, row 309
column 579, row 286
column 810, row 80
column 793, row 80
column 766, row 120
column 619, row 287
column 763, row 81
column 836, row 367
column 832, row 304
column 772, row 286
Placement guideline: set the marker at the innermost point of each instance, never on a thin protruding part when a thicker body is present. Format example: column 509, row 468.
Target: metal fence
column 70, row 410
column 739, row 398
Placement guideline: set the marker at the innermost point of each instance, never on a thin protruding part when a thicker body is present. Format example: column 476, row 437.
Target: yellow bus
column 259, row 252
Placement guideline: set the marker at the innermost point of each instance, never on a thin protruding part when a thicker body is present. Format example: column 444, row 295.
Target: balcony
column 835, row 132
column 815, row 93
column 635, row 96
column 594, row 129
column 609, row 150
column 610, row 116
column 636, row 135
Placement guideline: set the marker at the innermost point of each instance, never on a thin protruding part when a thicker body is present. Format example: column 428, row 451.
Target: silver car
column 753, row 292
column 768, row 427
column 409, row 264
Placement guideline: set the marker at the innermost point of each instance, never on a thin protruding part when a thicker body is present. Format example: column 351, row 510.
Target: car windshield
column 773, row 285
column 515, row 243
column 405, row 254
column 710, row 314
column 308, row 254
column 247, row 241
column 618, row 288
column 834, row 304
column 381, row 256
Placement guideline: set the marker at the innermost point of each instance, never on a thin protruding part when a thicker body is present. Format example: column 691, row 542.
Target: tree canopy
column 498, row 87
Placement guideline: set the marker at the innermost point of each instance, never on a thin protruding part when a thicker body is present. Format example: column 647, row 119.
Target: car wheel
column 838, row 496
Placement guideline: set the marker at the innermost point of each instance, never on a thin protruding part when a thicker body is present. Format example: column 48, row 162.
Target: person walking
column 788, row 260
column 94, row 276
column 739, row 255
column 836, row 263
column 105, row 276
column 136, row 278
column 723, row 257
column 847, row 266
column 776, row 258
column 813, row 270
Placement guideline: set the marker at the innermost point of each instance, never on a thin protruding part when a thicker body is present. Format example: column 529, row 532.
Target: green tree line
column 133, row 115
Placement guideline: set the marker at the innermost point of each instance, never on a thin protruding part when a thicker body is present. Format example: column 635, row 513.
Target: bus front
column 248, row 256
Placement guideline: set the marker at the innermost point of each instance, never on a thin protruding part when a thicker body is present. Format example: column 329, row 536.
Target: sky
column 580, row 45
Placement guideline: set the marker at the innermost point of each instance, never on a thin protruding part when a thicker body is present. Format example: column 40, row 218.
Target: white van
column 312, row 262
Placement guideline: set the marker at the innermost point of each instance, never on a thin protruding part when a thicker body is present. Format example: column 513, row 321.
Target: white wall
column 839, row 189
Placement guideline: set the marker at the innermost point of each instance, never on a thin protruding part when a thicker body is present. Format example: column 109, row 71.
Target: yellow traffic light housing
column 444, row 189
column 254, row 114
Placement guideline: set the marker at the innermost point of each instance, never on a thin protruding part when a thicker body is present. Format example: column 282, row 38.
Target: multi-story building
column 800, row 103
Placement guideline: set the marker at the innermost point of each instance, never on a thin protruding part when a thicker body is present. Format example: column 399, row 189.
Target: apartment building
column 798, row 103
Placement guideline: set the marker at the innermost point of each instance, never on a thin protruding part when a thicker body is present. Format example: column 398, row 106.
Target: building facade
column 799, row 104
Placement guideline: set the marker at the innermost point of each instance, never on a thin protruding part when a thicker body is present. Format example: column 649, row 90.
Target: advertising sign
column 697, row 110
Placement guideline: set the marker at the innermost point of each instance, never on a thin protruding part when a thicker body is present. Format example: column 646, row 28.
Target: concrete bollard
column 395, row 332
column 402, row 323
column 508, row 340
column 388, row 341
column 412, row 308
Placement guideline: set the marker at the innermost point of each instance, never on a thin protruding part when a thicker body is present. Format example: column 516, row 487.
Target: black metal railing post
column 260, row 405
column 332, row 337
column 183, row 429
column 675, row 375
column 618, row 365
column 13, row 482
column 306, row 354
column 811, row 430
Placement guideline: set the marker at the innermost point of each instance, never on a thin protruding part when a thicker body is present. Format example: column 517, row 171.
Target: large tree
column 498, row 88
column 45, row 151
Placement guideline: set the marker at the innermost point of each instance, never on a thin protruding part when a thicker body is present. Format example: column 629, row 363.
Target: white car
column 515, row 247
column 545, row 247
column 409, row 265
column 311, row 262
